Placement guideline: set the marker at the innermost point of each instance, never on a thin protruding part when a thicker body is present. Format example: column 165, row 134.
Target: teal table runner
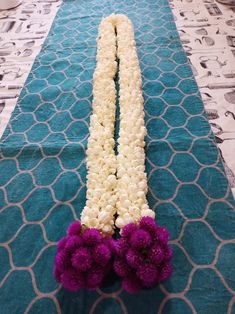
column 43, row 172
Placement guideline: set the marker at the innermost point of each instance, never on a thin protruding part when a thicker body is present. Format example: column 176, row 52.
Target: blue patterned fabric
column 43, row 173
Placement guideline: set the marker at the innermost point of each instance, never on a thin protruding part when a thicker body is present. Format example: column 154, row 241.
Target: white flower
column 116, row 184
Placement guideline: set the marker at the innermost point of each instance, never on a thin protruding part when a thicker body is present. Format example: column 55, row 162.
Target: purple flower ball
column 74, row 228
column 81, row 259
column 140, row 239
column 128, row 230
column 162, row 235
column 131, row 284
column 73, row 242
column 94, row 278
column 148, row 224
column 102, row 254
column 142, row 255
column 156, row 254
column 121, row 246
column 92, row 236
column 121, row 268
column 134, row 258
column 166, row 272
column 61, row 244
column 72, row 280
column 148, row 274
column 61, row 261
column 168, row 253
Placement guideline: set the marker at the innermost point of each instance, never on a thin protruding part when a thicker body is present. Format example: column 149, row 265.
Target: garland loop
column 116, row 185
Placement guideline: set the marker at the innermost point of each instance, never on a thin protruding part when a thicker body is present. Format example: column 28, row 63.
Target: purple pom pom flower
column 92, row 236
column 140, row 239
column 74, row 228
column 83, row 258
column 61, row 244
column 128, row 230
column 72, row 280
column 131, row 284
column 134, row 258
column 121, row 268
column 102, row 254
column 142, row 255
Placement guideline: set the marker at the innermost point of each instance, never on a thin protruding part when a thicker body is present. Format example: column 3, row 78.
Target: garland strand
column 132, row 180
column 116, row 185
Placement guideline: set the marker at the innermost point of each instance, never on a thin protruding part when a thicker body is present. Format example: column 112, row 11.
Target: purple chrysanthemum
column 142, row 255
column 83, row 258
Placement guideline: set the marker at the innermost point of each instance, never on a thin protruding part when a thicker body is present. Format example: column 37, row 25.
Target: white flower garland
column 105, row 194
column 132, row 181
column 101, row 160
column 116, row 185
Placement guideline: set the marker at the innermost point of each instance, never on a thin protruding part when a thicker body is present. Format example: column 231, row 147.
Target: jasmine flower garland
column 115, row 185
column 84, row 256
column 143, row 256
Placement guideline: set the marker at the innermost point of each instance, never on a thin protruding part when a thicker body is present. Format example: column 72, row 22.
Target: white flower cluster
column 101, row 160
column 116, row 184
column 132, row 180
